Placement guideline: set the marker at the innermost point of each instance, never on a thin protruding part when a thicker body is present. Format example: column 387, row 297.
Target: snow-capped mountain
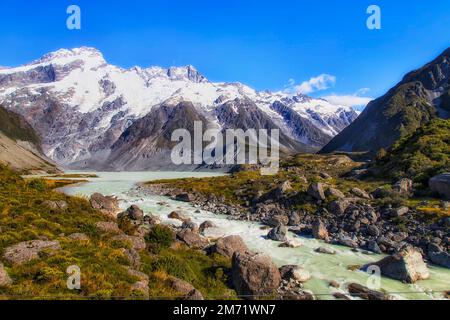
column 89, row 112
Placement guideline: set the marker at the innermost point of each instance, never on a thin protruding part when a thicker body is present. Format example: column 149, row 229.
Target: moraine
column 323, row 268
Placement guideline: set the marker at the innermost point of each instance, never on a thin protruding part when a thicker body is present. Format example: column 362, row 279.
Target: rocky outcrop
column 229, row 245
column 24, row 252
column 407, row 266
column 254, row 275
column 441, row 185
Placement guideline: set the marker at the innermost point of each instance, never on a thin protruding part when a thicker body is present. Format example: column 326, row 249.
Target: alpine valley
column 94, row 115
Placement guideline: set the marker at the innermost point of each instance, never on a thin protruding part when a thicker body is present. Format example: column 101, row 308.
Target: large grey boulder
column 254, row 275
column 438, row 256
column 24, row 252
column 229, row 245
column 441, row 185
column 278, row 234
column 407, row 266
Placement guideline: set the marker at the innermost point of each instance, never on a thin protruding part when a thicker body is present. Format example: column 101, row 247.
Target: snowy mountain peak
column 64, row 56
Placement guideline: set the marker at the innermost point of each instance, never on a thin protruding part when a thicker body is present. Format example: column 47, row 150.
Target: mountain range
column 422, row 95
column 93, row 115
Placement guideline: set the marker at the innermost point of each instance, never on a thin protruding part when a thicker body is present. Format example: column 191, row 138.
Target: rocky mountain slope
column 422, row 95
column 19, row 144
column 82, row 107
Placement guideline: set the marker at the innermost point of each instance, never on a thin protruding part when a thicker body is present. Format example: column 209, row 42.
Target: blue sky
column 265, row 44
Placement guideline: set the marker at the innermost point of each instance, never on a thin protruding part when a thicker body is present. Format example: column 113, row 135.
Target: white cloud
column 321, row 82
column 350, row 100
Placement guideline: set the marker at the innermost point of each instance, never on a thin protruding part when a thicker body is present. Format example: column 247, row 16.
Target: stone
column 227, row 246
column 373, row 231
column 294, row 243
column 107, row 204
column 190, row 225
column 347, row 242
column 184, row 289
column 441, row 258
column 407, row 266
column 315, row 190
column 441, row 185
column 338, row 207
column 360, row 193
column 294, row 219
column 132, row 213
column 56, row 205
column 319, row 230
column 176, row 215
column 404, row 187
column 191, row 239
column 254, row 275
column 335, row 193
column 132, row 256
column 206, row 225
column 185, row 197
column 108, row 227
column 136, row 243
column 152, row 220
column 359, row 291
column 373, row 246
column 278, row 234
column 24, row 252
column 324, row 250
column 282, row 190
column 5, row 280
column 398, row 212
column 294, row 272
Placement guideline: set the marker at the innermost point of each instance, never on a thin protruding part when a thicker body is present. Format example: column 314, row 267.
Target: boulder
column 319, row 230
column 438, row 256
column 359, row 291
column 373, row 231
column 184, row 290
column 24, row 252
column 176, row 215
column 398, row 212
column 254, row 275
column 294, row 272
column 108, row 227
column 373, row 246
column 335, row 193
column 441, row 185
column 294, row 243
column 294, row 219
column 190, row 225
column 338, row 207
column 404, row 187
column 282, row 190
column 107, row 204
column 324, row 250
column 360, row 193
column 185, row 197
column 407, row 266
column 192, row 239
column 229, row 245
column 5, row 280
column 278, row 234
column 315, row 190
column 132, row 256
column 152, row 220
column 132, row 213
column 206, row 225
column 136, row 243
column 56, row 205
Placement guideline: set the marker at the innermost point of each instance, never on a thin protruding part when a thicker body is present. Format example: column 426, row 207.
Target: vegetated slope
column 419, row 156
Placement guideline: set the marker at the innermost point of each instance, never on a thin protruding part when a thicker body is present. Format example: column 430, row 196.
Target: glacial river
column 322, row 267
